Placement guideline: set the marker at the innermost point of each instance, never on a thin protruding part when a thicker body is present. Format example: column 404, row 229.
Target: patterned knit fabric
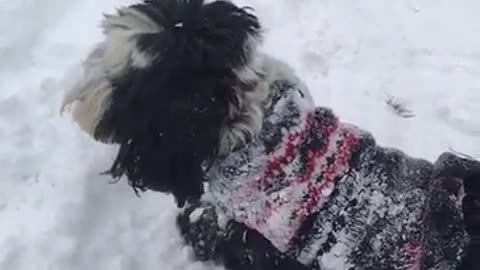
column 323, row 191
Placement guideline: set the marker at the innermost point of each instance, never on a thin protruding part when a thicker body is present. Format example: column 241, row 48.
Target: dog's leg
column 235, row 246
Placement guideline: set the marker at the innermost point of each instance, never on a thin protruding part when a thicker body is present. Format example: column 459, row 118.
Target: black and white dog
column 265, row 179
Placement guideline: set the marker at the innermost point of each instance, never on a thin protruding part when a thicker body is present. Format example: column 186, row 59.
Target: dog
column 263, row 177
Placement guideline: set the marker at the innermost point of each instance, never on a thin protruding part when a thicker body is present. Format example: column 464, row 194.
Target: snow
column 58, row 212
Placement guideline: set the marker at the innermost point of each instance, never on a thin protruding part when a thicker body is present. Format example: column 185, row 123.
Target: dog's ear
column 172, row 73
column 110, row 60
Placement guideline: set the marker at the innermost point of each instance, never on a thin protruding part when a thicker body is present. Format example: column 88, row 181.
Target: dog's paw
column 199, row 229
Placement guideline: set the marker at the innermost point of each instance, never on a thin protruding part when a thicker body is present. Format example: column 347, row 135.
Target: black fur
column 167, row 117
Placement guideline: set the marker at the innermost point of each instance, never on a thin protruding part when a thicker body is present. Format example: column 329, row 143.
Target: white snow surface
column 58, row 212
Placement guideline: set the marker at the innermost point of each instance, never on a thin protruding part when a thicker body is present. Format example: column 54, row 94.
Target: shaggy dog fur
column 175, row 84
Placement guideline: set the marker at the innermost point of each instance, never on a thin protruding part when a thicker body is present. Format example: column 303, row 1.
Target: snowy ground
column 56, row 212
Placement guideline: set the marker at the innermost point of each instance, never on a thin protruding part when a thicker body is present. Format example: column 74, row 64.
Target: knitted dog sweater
column 324, row 192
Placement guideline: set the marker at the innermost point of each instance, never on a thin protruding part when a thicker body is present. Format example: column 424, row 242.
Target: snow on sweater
column 324, row 192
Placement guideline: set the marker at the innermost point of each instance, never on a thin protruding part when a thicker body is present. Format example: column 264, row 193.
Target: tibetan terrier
column 265, row 179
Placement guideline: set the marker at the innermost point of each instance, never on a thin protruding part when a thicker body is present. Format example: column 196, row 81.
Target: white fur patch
column 122, row 31
column 90, row 96
column 262, row 71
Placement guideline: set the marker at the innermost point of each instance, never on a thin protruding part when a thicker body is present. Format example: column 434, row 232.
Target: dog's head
column 174, row 84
